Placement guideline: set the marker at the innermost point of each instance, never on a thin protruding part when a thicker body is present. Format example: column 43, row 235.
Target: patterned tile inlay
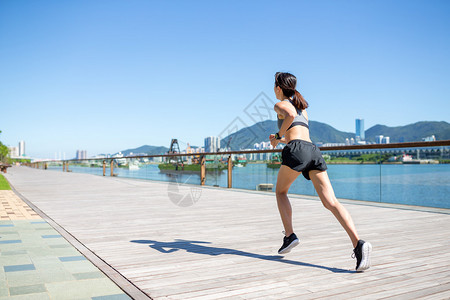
column 13, row 208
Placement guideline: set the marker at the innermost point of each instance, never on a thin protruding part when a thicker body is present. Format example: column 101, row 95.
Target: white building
column 13, row 152
column 380, row 139
column 212, row 144
column 22, row 148
column 431, row 138
column 200, row 150
column 262, row 146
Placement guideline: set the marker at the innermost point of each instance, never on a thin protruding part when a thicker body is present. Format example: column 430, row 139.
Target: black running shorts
column 303, row 156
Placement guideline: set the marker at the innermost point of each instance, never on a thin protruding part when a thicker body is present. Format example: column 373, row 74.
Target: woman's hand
column 273, row 141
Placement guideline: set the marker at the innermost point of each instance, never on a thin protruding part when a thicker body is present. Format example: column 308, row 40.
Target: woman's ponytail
column 299, row 101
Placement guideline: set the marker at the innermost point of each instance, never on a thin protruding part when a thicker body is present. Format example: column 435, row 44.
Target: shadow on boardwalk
column 199, row 247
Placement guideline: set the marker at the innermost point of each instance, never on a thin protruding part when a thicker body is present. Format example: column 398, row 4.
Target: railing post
column 104, row 167
column 202, row 170
column 112, row 167
column 230, row 168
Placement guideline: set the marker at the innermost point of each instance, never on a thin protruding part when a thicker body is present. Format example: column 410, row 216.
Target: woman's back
column 299, row 129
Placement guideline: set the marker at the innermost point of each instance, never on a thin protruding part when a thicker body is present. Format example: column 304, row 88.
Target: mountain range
column 145, row 149
column 319, row 133
column 411, row 133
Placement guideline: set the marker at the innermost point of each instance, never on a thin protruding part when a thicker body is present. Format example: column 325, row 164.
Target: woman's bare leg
column 286, row 177
column 325, row 191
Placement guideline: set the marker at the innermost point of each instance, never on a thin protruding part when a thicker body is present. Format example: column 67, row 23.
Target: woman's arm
column 275, row 142
column 288, row 111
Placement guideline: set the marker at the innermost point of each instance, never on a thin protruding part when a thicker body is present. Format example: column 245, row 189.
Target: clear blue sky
column 110, row 75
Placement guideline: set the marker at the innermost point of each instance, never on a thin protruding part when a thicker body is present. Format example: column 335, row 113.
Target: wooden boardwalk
column 225, row 245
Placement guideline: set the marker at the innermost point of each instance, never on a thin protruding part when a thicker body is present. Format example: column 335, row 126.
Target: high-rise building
column 21, row 148
column 379, row 139
column 212, row 144
column 81, row 154
column 360, row 129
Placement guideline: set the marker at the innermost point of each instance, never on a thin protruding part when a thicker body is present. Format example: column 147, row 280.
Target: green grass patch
column 4, row 185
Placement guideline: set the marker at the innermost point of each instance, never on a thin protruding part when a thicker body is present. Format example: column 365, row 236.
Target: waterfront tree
column 4, row 151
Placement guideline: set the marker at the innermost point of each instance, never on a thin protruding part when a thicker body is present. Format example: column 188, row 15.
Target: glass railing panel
column 259, row 171
column 251, row 172
column 354, row 174
column 81, row 166
column 128, row 167
column 180, row 170
column 96, row 166
column 216, row 170
column 54, row 165
column 416, row 176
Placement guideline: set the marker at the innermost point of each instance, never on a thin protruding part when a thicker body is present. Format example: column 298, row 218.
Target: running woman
column 300, row 155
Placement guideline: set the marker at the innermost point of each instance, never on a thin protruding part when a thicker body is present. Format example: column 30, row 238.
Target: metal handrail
column 350, row 147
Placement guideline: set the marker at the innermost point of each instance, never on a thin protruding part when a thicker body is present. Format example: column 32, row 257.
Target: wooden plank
column 225, row 246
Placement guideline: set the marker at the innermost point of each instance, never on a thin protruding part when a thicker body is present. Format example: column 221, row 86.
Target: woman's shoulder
column 305, row 114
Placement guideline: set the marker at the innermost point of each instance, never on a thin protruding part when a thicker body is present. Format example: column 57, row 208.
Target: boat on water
column 240, row 161
column 275, row 162
column 407, row 159
column 133, row 165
